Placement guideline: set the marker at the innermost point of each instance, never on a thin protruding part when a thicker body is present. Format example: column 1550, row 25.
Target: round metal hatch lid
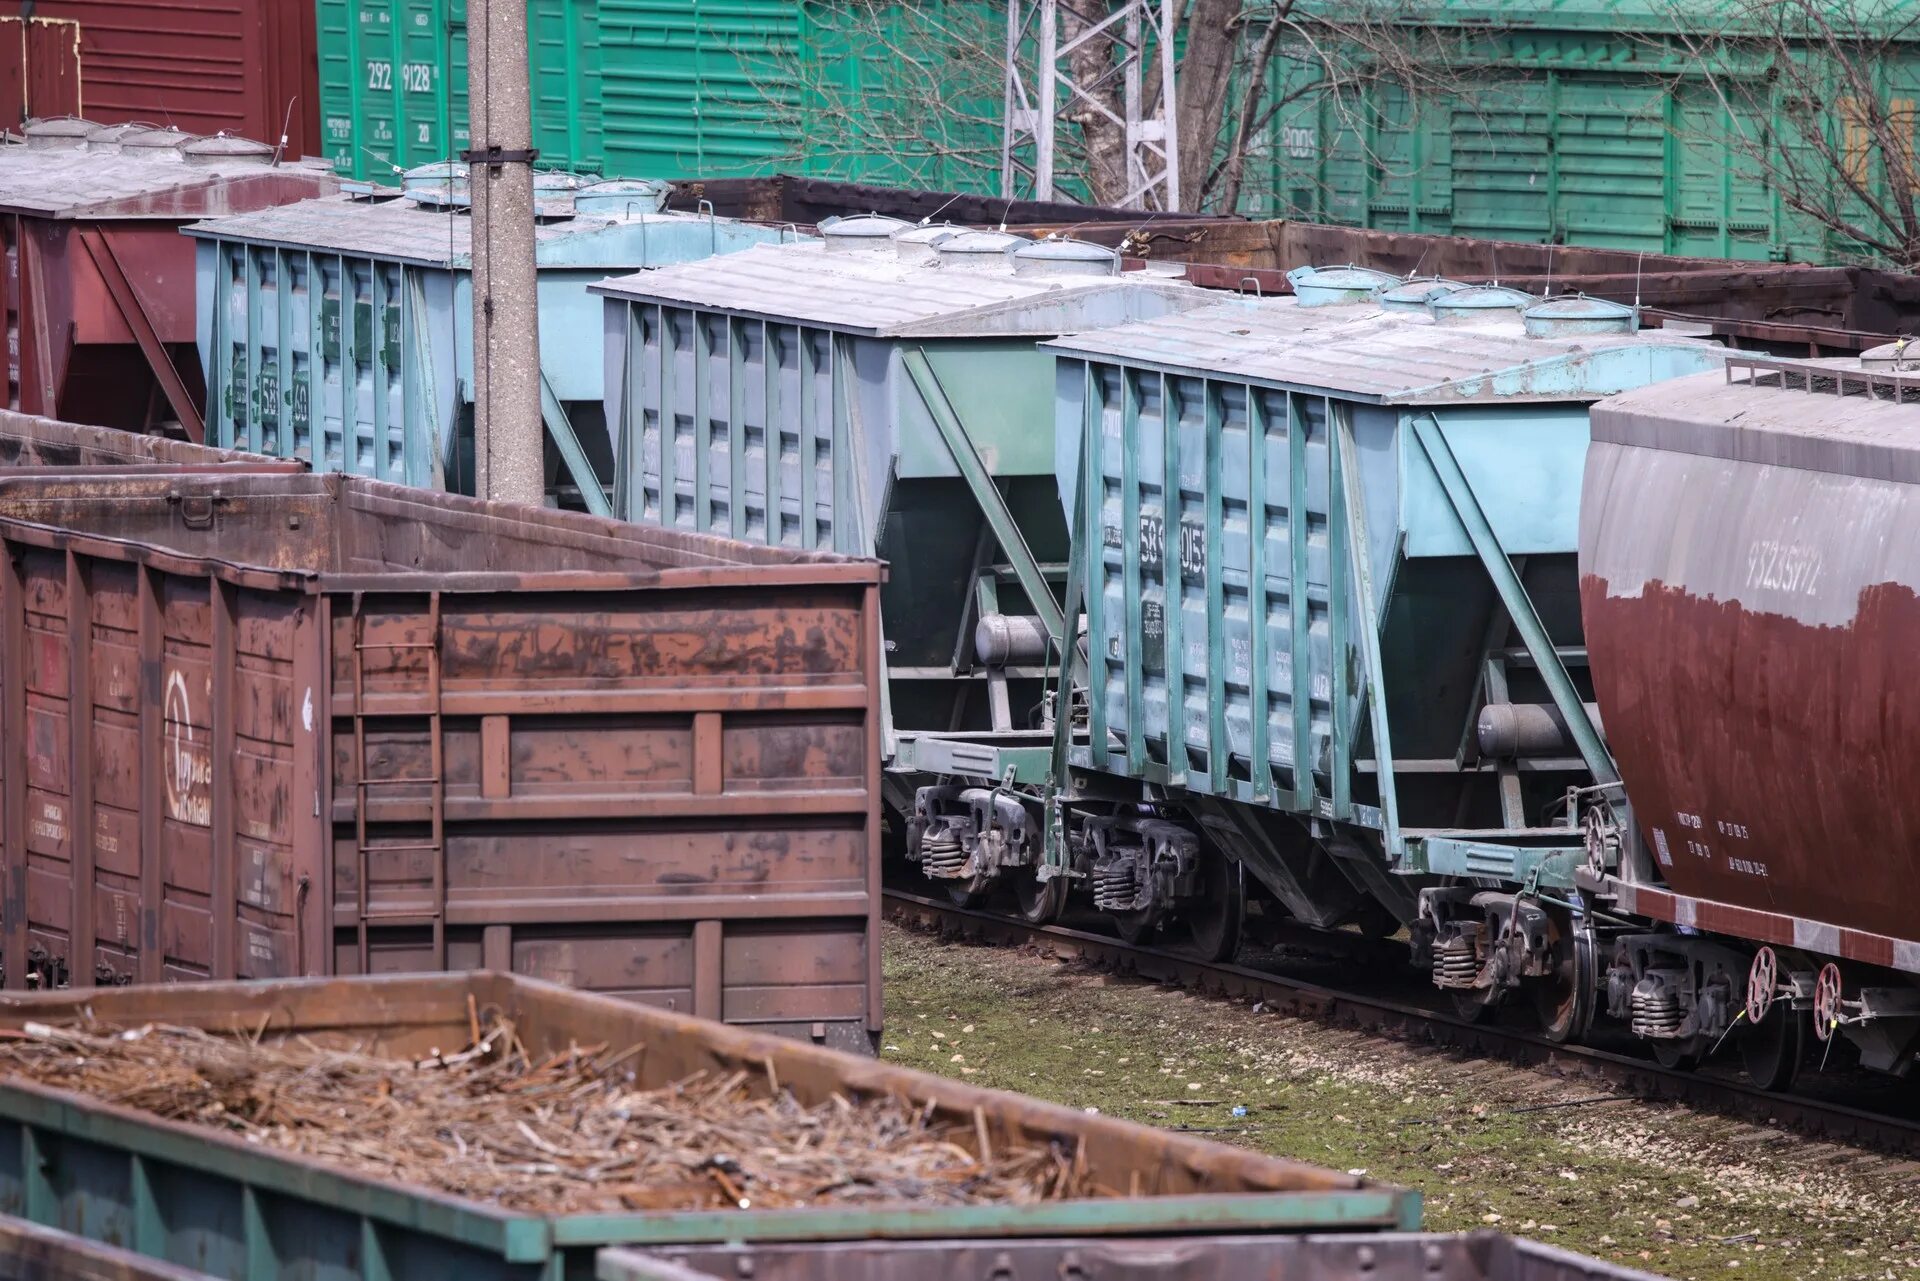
column 225, row 149
column 155, row 144
column 623, row 196
column 916, row 243
column 1414, row 293
column 1062, row 256
column 1480, row 302
column 441, row 182
column 1901, row 356
column 1326, row 286
column 109, row 137
column 977, row 250
column 860, row 233
column 1572, row 314
column 57, row 133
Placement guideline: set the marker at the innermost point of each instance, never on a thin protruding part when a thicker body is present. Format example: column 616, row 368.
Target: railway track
column 1402, row 1020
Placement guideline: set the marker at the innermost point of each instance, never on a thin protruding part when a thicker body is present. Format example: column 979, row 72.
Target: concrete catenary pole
column 508, row 438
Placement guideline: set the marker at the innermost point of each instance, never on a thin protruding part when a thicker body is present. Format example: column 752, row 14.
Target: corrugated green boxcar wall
column 676, row 88
column 1583, row 136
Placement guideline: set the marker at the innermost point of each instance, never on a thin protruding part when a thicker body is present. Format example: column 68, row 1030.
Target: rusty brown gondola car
column 333, row 726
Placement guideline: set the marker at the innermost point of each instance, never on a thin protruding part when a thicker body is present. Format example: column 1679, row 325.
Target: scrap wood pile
column 572, row 1133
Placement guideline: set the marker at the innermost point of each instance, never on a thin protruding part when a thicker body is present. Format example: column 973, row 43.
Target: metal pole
column 1047, row 101
column 1169, row 105
column 509, row 458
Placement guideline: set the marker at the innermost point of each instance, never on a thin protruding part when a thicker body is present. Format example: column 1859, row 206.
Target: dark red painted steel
column 657, row 772
column 100, row 311
column 248, row 67
column 1748, row 583
column 39, row 68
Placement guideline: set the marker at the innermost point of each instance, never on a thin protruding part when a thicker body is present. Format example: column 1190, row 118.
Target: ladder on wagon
column 435, row 847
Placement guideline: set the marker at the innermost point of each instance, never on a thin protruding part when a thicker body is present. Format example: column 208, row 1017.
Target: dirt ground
column 1679, row 1193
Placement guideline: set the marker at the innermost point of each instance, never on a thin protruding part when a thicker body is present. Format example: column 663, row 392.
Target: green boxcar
column 1579, row 122
column 676, row 88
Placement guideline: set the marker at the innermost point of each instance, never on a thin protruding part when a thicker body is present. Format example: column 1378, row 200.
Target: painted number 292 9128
column 415, row 77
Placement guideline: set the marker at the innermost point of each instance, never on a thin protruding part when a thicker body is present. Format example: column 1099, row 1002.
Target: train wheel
column 1213, row 917
column 1676, row 1055
column 1470, row 1005
column 968, row 891
column 1771, row 1049
column 1040, row 901
column 1134, row 927
column 1565, row 999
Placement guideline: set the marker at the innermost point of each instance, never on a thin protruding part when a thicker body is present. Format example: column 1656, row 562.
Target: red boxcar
column 247, row 67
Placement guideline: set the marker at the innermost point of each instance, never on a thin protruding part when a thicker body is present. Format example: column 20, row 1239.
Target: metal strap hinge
column 494, row 157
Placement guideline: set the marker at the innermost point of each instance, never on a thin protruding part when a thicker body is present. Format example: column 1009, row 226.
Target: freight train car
column 247, row 69
column 181, row 1190
column 1332, row 641
column 339, row 331
column 1748, row 573
column 259, row 723
column 882, row 393
column 100, row 303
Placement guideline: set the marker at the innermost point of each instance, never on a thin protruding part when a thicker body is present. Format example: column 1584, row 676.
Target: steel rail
column 1398, row 1020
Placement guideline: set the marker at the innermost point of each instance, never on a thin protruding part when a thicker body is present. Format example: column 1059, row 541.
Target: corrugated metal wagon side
column 335, row 726
column 177, row 1190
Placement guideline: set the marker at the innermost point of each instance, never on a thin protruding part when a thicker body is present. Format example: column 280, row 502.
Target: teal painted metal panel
column 1286, row 590
column 339, row 332
column 193, row 1194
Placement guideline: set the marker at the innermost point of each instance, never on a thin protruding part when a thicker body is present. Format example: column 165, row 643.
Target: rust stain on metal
column 396, row 730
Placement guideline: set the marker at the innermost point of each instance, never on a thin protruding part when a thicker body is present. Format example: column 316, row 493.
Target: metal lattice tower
column 1041, row 88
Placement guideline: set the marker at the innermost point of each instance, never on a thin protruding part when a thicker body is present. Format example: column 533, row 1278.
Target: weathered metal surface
column 1396, row 1256
column 337, row 726
column 247, row 69
column 875, row 292
column 1749, row 578
column 1169, row 1184
column 100, row 308
column 1365, row 353
column 30, row 1252
column 1796, row 309
column 30, row 441
column 339, row 330
column 1299, row 539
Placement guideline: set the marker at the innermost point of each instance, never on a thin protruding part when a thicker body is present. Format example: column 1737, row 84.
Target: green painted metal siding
column 687, row 85
column 678, row 88
column 1589, row 135
column 393, row 82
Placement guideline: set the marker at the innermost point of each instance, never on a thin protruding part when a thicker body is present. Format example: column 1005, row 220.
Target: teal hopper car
column 1332, row 649
column 339, row 331
column 884, row 390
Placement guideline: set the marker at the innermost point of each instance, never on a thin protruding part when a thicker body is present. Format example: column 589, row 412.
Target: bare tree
column 1803, row 105
column 910, row 90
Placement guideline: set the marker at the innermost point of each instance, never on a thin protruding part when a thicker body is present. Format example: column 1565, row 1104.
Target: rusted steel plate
column 267, row 724
column 28, row 440
column 31, row 1252
column 1748, row 580
column 1177, row 1188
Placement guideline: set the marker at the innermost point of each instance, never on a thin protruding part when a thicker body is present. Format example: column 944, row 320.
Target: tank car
column 1748, row 573
column 338, row 331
